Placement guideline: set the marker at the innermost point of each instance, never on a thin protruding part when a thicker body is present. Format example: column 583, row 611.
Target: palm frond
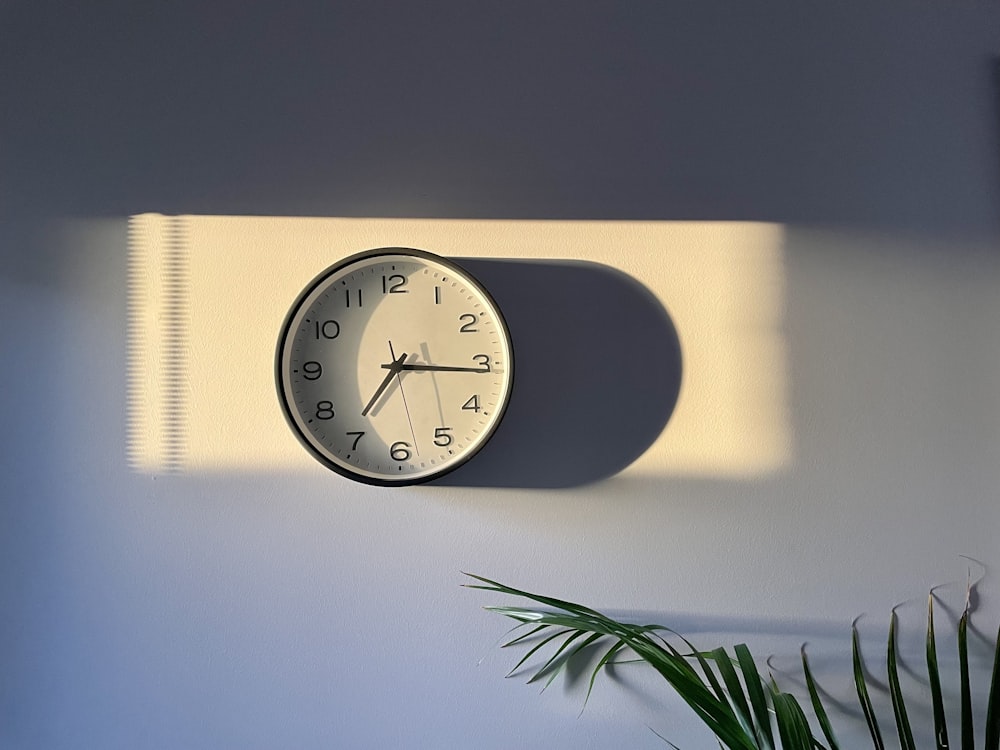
column 726, row 692
column 726, row 711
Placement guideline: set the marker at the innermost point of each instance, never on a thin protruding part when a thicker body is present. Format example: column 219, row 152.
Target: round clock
column 394, row 366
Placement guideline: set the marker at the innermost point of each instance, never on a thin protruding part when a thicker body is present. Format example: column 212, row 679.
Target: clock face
column 394, row 366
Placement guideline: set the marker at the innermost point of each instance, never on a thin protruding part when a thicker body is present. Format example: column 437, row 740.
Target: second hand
column 406, row 406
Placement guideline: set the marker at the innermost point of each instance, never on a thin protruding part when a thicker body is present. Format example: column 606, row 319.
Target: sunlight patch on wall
column 208, row 295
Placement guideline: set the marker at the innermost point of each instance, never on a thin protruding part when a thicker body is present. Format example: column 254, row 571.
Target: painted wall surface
column 811, row 194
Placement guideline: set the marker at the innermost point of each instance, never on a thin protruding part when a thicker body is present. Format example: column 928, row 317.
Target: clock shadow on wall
column 597, row 373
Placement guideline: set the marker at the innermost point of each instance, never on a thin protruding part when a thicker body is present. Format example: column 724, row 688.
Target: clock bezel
column 366, row 255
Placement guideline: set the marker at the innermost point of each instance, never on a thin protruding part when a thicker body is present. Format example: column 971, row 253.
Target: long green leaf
column 705, row 662
column 716, row 686
column 710, row 676
column 793, row 727
column 557, row 661
column 604, row 661
column 896, row 692
column 561, row 661
column 817, row 704
column 487, row 585
column 532, row 651
column 968, row 732
column 716, row 713
column 755, row 691
column 668, row 741
column 862, row 689
column 934, row 676
column 734, row 688
column 992, row 741
column 524, row 636
column 709, row 702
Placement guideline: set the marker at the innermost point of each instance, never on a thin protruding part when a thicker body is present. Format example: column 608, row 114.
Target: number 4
column 472, row 404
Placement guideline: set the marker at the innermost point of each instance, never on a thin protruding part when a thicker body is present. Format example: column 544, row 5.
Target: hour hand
column 393, row 368
column 435, row 368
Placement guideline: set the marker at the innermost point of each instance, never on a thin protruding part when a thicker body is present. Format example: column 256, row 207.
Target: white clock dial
column 394, row 366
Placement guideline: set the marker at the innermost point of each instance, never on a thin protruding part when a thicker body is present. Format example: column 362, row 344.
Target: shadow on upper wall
column 856, row 114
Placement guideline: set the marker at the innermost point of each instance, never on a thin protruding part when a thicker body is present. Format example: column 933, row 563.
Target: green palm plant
column 742, row 708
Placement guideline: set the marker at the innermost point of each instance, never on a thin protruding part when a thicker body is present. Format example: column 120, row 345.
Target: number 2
column 468, row 326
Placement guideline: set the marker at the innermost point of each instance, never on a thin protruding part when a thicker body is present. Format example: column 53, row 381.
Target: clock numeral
column 347, row 297
column 469, row 326
column 394, row 284
column 324, row 410
column 357, row 439
column 437, row 295
column 328, row 329
column 483, row 360
column 312, row 370
column 472, row 404
column 400, row 451
column 441, row 436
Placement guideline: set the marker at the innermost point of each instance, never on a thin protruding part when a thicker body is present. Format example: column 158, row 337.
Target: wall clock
column 394, row 366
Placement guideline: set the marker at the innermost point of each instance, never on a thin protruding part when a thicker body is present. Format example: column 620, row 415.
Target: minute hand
column 435, row 368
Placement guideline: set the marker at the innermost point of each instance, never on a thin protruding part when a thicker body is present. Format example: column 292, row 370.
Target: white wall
column 286, row 608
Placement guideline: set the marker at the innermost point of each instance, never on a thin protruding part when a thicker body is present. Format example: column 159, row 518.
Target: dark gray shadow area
column 597, row 373
column 837, row 115
column 996, row 119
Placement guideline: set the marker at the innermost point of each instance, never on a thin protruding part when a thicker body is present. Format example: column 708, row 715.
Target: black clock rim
column 283, row 336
